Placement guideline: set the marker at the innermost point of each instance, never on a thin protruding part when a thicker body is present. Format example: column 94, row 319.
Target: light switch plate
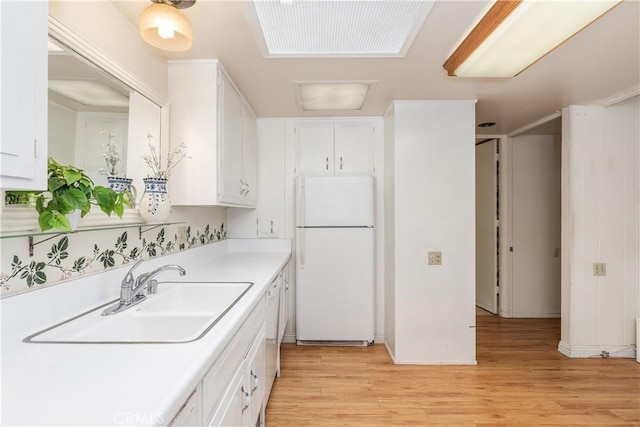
column 434, row 258
column 599, row 269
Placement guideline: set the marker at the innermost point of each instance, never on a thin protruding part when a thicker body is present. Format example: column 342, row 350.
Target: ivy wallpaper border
column 39, row 272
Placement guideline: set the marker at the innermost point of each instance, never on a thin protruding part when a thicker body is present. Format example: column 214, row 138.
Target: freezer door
column 334, row 201
column 335, row 284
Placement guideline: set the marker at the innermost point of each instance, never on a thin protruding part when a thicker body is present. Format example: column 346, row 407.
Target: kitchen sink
column 180, row 312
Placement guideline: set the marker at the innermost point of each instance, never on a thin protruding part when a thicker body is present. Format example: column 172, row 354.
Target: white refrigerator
column 334, row 259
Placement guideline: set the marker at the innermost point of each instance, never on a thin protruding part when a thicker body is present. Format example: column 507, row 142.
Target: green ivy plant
column 69, row 188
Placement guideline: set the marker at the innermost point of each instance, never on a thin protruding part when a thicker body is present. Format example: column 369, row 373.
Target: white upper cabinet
column 23, row 90
column 219, row 129
column 314, row 148
column 334, row 147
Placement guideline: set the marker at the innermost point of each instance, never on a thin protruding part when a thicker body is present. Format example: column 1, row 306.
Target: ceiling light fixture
column 513, row 35
column 332, row 96
column 163, row 26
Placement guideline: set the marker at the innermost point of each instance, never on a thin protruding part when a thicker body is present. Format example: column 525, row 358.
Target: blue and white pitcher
column 154, row 204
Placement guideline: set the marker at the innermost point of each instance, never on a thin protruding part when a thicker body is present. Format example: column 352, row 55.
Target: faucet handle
column 152, row 287
column 128, row 278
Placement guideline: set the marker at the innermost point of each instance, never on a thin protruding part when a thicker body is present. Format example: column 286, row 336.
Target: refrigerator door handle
column 301, row 221
column 301, row 231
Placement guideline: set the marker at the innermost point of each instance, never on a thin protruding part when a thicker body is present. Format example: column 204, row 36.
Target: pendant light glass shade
column 165, row 27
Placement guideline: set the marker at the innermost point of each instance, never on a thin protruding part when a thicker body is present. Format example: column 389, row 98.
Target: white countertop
column 121, row 384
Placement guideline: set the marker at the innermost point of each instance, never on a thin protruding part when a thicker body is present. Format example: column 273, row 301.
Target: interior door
column 486, row 227
column 536, row 225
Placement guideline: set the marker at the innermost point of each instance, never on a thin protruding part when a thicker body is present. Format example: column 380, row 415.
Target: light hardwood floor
column 520, row 380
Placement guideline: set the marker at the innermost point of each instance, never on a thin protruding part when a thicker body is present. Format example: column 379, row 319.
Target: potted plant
column 69, row 190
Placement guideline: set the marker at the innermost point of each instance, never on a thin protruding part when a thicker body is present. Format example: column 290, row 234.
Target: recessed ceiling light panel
column 332, row 96
column 338, row 28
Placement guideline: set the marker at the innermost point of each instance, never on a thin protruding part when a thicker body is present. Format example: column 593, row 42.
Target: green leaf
column 105, row 198
column 52, row 219
column 118, row 210
column 71, row 175
column 55, row 182
column 63, row 244
column 45, row 220
column 40, row 277
column 76, row 199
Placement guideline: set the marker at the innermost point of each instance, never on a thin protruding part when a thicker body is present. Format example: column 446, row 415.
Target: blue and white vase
column 155, row 205
column 123, row 185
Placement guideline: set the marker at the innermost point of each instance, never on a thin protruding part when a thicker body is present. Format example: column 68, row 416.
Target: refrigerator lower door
column 335, row 284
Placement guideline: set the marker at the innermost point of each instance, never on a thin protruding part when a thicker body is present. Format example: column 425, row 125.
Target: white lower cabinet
column 242, row 404
column 231, row 393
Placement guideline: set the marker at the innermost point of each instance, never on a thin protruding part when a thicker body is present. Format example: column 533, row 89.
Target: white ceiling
column 599, row 63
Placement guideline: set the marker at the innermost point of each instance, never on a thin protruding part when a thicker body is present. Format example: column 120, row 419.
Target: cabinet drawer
column 218, row 378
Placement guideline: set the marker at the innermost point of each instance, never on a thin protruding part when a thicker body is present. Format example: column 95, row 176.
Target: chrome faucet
column 132, row 290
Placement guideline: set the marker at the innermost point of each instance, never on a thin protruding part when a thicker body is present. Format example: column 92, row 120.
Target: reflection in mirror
column 86, row 110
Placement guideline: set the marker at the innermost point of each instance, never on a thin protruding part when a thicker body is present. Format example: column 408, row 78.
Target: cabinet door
column 23, row 123
column 256, row 377
column 354, row 148
column 234, row 403
column 314, row 148
column 230, row 164
column 250, row 159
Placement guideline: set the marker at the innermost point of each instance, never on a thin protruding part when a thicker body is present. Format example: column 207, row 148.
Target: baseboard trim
column 589, row 351
column 536, row 315
column 291, row 338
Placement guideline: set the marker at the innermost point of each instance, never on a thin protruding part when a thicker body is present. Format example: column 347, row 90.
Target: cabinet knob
column 340, row 163
column 326, row 163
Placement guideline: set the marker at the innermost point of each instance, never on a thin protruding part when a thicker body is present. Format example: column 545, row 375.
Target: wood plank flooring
column 520, row 380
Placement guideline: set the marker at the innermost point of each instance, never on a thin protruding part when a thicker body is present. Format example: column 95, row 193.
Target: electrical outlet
column 599, row 269
column 182, row 235
column 434, row 258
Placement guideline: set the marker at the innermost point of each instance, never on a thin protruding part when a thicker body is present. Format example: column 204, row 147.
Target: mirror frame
column 16, row 220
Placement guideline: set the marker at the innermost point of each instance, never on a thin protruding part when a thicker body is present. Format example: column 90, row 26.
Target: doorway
column 487, row 225
column 518, row 205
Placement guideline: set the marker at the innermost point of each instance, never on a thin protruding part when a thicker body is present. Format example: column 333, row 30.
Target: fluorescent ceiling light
column 326, row 96
column 512, row 35
column 89, row 92
column 338, row 28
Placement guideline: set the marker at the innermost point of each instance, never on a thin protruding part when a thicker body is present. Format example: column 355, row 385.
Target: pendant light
column 163, row 26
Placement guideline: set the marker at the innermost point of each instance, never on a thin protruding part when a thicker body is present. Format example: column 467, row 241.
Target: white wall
column 601, row 223
column 434, row 194
column 535, row 226
column 389, row 233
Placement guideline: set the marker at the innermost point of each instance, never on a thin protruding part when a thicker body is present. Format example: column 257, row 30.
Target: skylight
column 337, row 28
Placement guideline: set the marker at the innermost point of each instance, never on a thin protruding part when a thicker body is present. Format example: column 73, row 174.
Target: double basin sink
column 180, row 312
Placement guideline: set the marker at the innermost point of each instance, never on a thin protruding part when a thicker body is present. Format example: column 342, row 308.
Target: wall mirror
column 86, row 109
column 90, row 93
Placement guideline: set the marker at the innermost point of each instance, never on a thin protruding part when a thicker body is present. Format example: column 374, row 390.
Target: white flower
column 153, row 160
column 111, row 156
